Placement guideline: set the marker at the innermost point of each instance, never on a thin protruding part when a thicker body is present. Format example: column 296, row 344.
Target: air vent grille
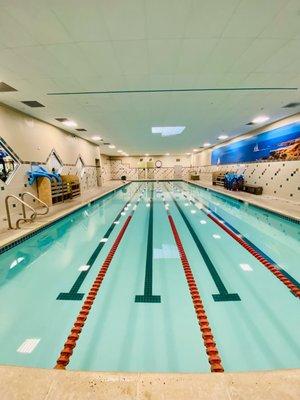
column 32, row 103
column 81, row 130
column 61, row 119
column 250, row 123
column 4, row 87
column 291, row 105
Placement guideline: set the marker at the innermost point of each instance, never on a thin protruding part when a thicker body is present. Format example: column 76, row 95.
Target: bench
column 253, row 189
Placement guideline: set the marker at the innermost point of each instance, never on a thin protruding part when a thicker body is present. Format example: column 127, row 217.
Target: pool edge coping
column 12, row 242
column 52, row 384
column 252, row 202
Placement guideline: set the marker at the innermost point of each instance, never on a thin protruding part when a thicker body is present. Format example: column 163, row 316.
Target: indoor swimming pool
column 155, row 276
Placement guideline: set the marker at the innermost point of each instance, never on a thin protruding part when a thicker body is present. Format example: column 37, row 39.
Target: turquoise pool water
column 143, row 317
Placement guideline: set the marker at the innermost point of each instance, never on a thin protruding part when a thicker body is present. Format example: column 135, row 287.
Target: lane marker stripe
column 223, row 294
column 268, row 263
column 271, row 267
column 74, row 294
column 148, row 296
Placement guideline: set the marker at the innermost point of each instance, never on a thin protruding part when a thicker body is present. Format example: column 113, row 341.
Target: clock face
column 158, row 164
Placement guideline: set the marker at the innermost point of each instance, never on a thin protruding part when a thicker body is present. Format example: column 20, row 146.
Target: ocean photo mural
column 281, row 144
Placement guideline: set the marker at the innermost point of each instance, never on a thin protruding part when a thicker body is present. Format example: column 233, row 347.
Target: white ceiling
column 95, row 45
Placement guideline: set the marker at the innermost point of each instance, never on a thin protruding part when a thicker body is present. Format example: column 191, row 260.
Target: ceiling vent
column 250, row 123
column 106, row 144
column 81, row 130
column 32, row 103
column 6, row 88
column 61, row 119
column 291, row 105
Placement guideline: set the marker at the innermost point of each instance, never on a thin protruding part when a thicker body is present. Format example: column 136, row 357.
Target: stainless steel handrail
column 36, row 198
column 24, row 219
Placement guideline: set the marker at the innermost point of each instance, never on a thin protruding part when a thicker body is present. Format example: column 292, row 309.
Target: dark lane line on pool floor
column 74, row 294
column 288, row 280
column 148, row 296
column 211, row 349
column 71, row 341
column 223, row 294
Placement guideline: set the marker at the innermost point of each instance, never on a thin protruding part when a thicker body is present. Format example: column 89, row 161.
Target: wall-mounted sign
column 281, row 144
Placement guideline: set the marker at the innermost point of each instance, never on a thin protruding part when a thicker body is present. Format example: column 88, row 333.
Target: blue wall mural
column 274, row 145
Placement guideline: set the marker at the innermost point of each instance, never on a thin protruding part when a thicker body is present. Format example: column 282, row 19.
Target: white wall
column 129, row 166
column 32, row 141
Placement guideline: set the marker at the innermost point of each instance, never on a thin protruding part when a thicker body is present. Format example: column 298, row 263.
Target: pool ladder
column 25, row 205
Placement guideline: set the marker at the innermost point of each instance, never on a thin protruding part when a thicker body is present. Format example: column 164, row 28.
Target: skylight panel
column 167, row 130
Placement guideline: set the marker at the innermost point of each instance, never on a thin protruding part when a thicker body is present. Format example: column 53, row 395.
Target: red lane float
column 275, row 271
column 67, row 351
column 208, row 338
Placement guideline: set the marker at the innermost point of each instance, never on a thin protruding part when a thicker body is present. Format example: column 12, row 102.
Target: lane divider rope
column 212, row 352
column 69, row 345
column 267, row 264
column 275, row 271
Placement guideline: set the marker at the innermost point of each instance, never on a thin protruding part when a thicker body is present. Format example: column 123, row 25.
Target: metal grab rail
column 24, row 219
column 36, row 198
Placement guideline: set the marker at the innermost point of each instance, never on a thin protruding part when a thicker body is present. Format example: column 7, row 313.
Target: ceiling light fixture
column 167, row 154
column 120, row 151
column 222, row 137
column 195, row 150
column 96, row 138
column 188, row 154
column 70, row 124
column 260, row 119
column 146, row 154
column 112, row 146
column 167, row 130
column 206, row 144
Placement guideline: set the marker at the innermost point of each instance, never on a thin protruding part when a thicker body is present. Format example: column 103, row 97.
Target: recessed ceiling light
column 120, row 151
column 167, row 154
column 69, row 123
column 146, row 154
column 112, row 146
column 167, row 130
column 260, row 119
column 195, row 149
column 96, row 138
column 222, row 137
column 206, row 144
column 126, row 155
column 188, row 154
